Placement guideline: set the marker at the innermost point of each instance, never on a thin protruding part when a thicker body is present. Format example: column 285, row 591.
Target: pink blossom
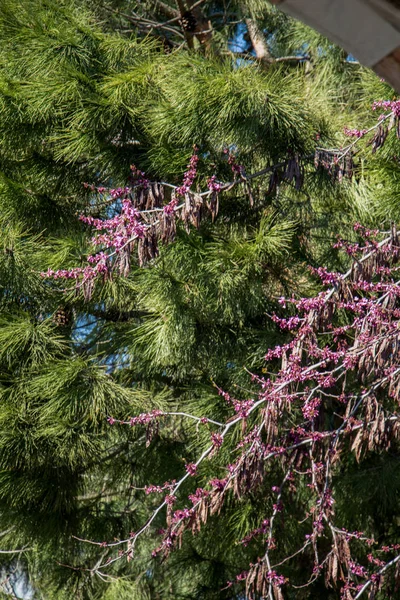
column 358, row 133
column 191, row 468
column 213, row 185
column 190, row 174
column 217, row 440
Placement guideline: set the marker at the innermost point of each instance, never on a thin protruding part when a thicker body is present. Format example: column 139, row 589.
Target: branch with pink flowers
column 358, row 371
column 146, row 219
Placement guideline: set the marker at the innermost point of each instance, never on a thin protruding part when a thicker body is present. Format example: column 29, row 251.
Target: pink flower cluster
column 358, row 133
column 358, row 569
column 236, row 168
column 139, row 177
column 350, row 248
column 310, row 408
column 142, row 419
column 198, row 495
column 263, row 529
column 213, row 185
column 218, row 484
column 181, row 514
column 217, row 440
column 76, row 272
column 157, row 489
column 392, row 105
column 190, row 174
column 326, row 277
column 275, row 578
column 365, row 232
column 375, row 561
column 393, row 548
column 290, row 324
column 243, row 407
column 170, row 499
column 191, row 468
column 118, row 231
column 169, row 208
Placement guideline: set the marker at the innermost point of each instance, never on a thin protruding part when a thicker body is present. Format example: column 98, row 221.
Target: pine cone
column 188, row 21
column 62, row 316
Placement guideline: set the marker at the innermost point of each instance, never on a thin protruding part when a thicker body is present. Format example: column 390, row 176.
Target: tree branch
column 258, row 41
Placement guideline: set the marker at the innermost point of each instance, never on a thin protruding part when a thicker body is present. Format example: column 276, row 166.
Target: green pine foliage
column 85, row 93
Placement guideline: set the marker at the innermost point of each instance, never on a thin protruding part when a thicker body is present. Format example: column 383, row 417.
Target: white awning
column 354, row 25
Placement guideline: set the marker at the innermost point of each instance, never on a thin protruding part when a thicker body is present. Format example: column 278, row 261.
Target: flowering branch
column 376, row 576
column 365, row 351
column 344, row 350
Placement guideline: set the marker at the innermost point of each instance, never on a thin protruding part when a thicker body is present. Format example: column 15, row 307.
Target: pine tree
column 86, row 91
